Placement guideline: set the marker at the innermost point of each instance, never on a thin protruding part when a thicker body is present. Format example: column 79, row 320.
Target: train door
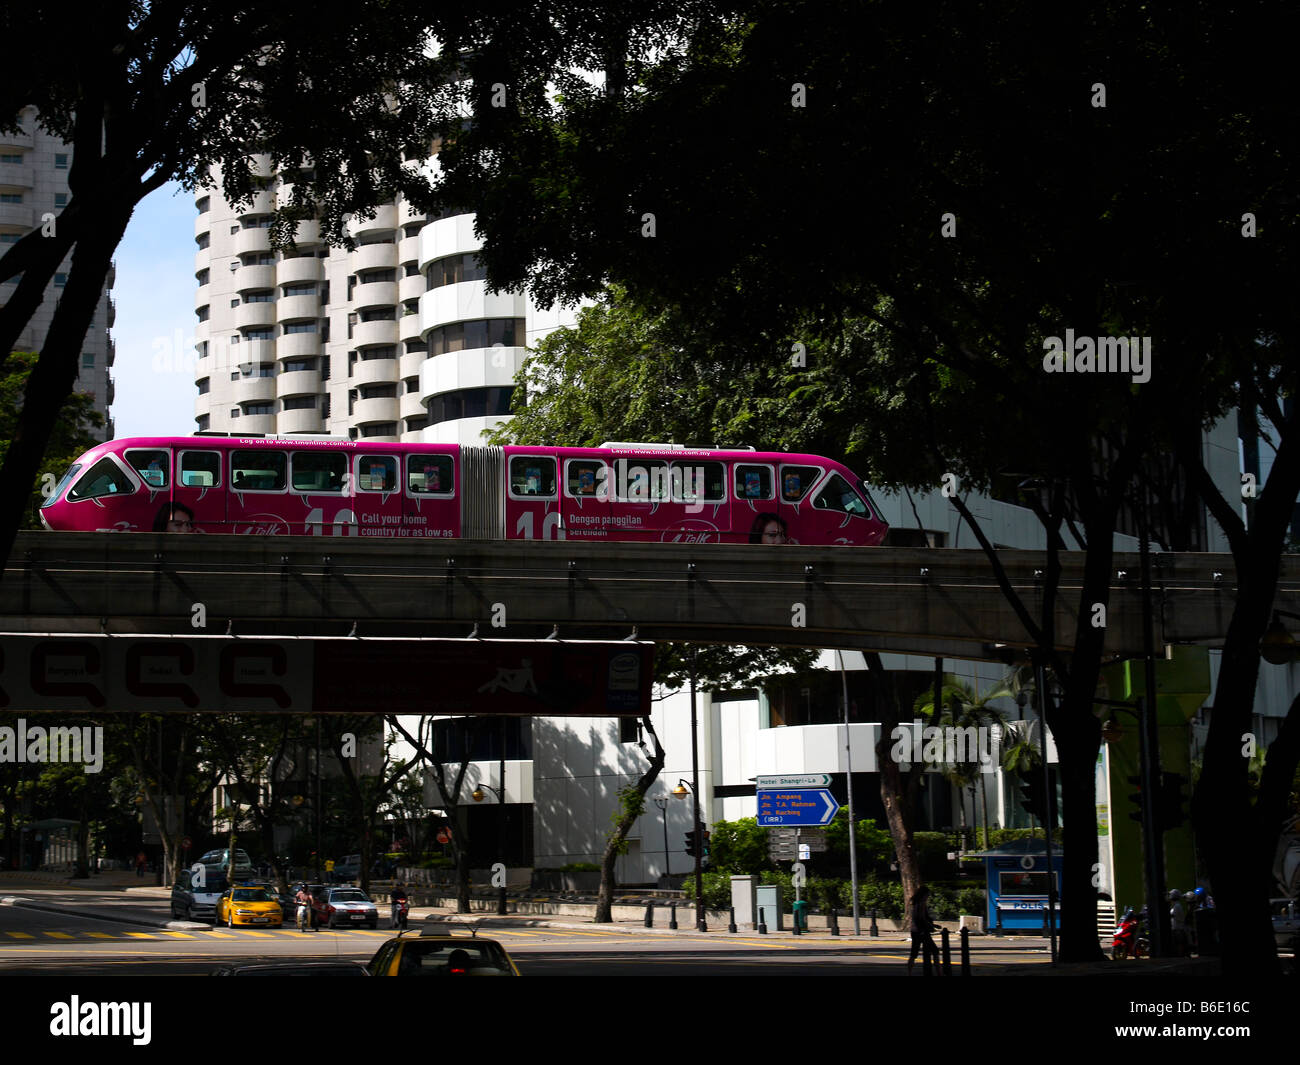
column 794, row 486
column 258, row 495
column 432, row 507
column 586, row 499
column 322, row 497
column 699, row 511
column 532, row 497
column 378, row 497
column 642, row 499
column 755, row 513
column 153, row 465
column 200, row 486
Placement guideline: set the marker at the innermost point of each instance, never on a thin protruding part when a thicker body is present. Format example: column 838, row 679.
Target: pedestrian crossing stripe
column 20, row 935
column 178, row 935
column 58, row 935
column 101, row 935
column 141, row 935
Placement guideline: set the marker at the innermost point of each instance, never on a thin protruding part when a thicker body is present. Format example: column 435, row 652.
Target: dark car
column 295, row 968
column 435, row 954
column 192, row 901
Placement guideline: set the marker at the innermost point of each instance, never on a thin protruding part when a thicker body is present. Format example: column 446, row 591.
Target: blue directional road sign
column 796, row 806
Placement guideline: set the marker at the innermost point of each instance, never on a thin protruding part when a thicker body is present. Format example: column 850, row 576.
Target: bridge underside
column 908, row 600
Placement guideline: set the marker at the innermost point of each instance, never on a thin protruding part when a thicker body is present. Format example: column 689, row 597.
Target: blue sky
column 154, row 293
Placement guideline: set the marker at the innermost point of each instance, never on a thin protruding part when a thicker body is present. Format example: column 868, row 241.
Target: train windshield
column 838, row 494
column 63, row 483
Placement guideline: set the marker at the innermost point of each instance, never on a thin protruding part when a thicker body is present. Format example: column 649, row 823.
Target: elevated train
column 314, row 485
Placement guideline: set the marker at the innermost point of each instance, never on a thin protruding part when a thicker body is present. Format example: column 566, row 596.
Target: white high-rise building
column 34, row 168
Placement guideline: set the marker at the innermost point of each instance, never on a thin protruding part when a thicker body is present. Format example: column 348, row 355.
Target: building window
column 60, row 199
column 61, row 161
column 202, row 276
column 11, row 197
column 202, row 312
column 203, row 421
column 259, row 408
column 470, row 403
column 5, row 157
column 300, row 403
column 235, row 376
column 257, row 334
column 203, row 204
column 299, row 290
column 454, row 269
column 379, row 429
column 204, row 239
column 259, row 297
column 88, row 360
column 234, row 412
column 234, row 302
column 204, row 385
column 60, row 280
column 485, row 333
column 299, row 327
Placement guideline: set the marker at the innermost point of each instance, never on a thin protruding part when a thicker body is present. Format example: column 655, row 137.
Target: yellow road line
column 220, row 935
column 178, row 935
column 101, row 935
column 141, row 935
column 57, row 935
column 20, row 935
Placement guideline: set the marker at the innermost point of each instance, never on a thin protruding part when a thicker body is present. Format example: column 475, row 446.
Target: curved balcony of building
column 111, row 278
column 373, row 257
column 201, row 332
column 112, row 351
column 260, row 165
column 471, row 368
column 202, row 224
column 385, row 220
column 17, row 138
column 16, row 214
column 406, row 214
column 203, row 405
column 202, row 296
column 307, row 233
column 205, row 367
column 381, row 409
column 373, row 372
column 297, row 383
column 253, row 390
column 374, row 294
column 110, row 311
column 460, row 431
column 202, row 260
column 263, row 202
column 254, row 278
column 254, row 315
column 306, row 420
column 373, row 334
column 410, row 405
column 408, row 327
column 298, row 346
column 408, row 250
column 297, row 308
column 411, row 288
column 18, row 175
column 469, row 301
column 409, row 363
column 252, row 241
column 247, row 352
column 447, row 236
column 252, row 424
column 300, row 270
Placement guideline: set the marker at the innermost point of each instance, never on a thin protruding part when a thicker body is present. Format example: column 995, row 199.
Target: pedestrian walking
column 922, row 926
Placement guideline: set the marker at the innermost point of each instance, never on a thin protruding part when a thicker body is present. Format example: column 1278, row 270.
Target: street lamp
column 697, row 834
column 662, row 802
column 478, row 796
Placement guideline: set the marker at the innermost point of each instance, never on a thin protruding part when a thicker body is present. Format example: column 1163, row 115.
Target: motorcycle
column 304, row 916
column 400, row 909
column 1130, row 939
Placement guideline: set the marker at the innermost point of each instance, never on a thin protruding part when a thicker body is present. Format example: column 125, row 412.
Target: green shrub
column 580, row 867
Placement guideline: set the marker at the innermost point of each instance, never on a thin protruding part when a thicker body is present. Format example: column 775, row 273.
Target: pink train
column 312, row 485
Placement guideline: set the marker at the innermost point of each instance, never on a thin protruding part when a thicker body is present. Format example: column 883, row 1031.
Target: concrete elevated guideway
column 921, row 601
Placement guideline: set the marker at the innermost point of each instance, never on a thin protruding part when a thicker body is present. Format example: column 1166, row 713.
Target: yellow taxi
column 249, row 904
column 431, row 954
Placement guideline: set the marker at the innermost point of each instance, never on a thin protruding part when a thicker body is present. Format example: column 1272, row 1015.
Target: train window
column 105, row 478
column 200, row 469
column 319, row 471
column 643, row 480
column 430, row 475
column 532, row 475
column 376, row 473
column 258, row 471
column 63, row 483
column 151, row 465
column 753, row 482
column 699, row 482
column 797, row 481
column 583, row 477
column 839, row 495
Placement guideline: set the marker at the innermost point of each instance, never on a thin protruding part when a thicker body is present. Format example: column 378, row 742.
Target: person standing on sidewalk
column 922, row 925
column 140, row 861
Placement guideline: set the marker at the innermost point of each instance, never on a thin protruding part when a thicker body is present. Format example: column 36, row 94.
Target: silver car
column 191, row 900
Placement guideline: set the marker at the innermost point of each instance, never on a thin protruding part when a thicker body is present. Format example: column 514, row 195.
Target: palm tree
column 962, row 707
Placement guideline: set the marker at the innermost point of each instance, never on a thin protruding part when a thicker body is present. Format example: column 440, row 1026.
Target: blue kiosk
column 1015, row 880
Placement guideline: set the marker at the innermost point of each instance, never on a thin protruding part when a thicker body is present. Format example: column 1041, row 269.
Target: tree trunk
column 630, row 810
column 896, row 792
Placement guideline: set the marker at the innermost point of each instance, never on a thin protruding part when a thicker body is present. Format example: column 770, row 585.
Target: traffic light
column 1171, row 800
column 690, row 843
column 704, row 850
column 1136, row 799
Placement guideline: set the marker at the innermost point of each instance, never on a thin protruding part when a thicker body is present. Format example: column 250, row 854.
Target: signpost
column 796, row 806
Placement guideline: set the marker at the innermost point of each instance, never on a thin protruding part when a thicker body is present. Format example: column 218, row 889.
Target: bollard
column 672, row 915
column 999, row 918
column 947, row 952
column 1046, row 930
column 835, row 924
column 965, row 952
column 650, row 914
column 874, row 930
column 762, row 922
column 732, row 926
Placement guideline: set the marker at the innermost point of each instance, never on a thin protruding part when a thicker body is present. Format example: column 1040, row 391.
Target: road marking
column 178, row 935
column 141, row 935
column 57, row 935
column 20, row 935
column 101, row 935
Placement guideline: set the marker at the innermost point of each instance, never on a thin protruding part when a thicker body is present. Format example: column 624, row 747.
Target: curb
column 145, row 922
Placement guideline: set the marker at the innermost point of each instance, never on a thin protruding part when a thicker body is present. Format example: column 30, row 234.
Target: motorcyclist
column 399, row 895
column 1177, row 922
column 303, row 898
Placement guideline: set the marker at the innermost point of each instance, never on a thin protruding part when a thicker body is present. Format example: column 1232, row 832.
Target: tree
column 70, row 436
column 986, row 214
column 631, row 805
